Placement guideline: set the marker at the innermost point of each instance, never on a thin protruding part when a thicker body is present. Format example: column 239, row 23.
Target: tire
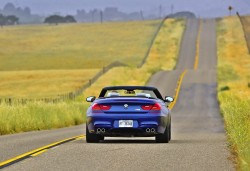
column 101, row 137
column 169, row 134
column 163, row 138
column 92, row 138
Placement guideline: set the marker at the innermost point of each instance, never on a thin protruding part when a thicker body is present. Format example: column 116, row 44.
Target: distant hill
column 184, row 14
column 24, row 14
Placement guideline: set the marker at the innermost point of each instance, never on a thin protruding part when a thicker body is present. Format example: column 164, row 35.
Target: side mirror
column 169, row 99
column 90, row 99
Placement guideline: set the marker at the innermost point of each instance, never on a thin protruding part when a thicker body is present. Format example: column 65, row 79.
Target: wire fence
column 245, row 22
column 66, row 96
column 152, row 43
column 72, row 95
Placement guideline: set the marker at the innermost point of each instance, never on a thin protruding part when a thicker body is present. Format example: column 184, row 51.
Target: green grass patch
column 227, row 73
column 39, row 116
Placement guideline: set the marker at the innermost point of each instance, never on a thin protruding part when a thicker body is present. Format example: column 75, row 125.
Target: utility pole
column 101, row 16
column 172, row 9
column 142, row 17
column 92, row 15
column 160, row 11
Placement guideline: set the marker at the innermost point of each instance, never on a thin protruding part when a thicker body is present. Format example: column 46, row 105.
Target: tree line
column 8, row 20
column 53, row 19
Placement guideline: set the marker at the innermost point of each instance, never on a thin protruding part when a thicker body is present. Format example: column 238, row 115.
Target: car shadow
column 127, row 141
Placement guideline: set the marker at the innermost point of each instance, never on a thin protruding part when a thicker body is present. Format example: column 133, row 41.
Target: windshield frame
column 130, row 88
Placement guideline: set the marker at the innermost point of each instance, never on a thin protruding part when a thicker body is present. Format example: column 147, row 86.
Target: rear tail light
column 156, row 106
column 96, row 107
column 147, row 107
column 100, row 107
column 105, row 107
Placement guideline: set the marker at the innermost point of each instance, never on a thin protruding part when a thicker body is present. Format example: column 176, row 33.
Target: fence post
column 10, row 101
column 70, row 95
column 243, row 24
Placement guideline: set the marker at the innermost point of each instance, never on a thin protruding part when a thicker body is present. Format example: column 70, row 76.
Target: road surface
column 198, row 136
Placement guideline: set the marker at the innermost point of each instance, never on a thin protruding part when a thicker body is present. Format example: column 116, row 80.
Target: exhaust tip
column 103, row 130
column 148, row 130
column 152, row 129
column 98, row 130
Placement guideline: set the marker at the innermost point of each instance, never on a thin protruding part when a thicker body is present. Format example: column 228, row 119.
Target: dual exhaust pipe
column 152, row 130
column 100, row 130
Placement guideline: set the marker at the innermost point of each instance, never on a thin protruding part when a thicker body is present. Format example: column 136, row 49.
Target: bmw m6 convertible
column 128, row 111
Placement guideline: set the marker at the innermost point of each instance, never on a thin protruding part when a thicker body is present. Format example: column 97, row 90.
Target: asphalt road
column 198, row 137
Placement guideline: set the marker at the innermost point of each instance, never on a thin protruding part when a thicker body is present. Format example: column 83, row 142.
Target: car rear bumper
column 143, row 125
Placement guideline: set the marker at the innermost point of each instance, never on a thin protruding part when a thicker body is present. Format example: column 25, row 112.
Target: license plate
column 125, row 123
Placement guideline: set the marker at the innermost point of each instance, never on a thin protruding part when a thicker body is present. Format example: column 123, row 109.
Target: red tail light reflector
column 105, row 107
column 100, row 107
column 156, row 106
column 147, row 107
column 96, row 107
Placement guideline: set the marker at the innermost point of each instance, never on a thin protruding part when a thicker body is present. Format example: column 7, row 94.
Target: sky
column 202, row 8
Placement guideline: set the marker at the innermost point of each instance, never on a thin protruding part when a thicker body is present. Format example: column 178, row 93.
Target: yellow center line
column 80, row 138
column 177, row 91
column 196, row 62
column 37, row 150
column 38, row 153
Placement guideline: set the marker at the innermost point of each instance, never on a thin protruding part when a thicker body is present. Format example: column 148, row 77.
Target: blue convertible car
column 128, row 111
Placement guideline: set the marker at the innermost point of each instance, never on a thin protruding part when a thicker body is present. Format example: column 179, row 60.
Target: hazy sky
column 204, row 8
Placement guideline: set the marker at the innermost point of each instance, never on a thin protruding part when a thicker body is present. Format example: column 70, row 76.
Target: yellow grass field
column 163, row 56
column 41, row 115
column 246, row 22
column 164, row 53
column 74, row 46
column 234, row 87
column 46, row 60
column 41, row 84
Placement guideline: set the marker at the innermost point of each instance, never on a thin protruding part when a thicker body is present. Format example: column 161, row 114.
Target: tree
column 12, row 20
column 2, row 20
column 8, row 20
column 69, row 19
column 56, row 19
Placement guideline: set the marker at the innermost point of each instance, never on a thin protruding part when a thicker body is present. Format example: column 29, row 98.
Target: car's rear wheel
column 169, row 129
column 92, row 138
column 163, row 138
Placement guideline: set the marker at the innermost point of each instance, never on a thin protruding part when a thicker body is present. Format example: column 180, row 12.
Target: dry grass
column 246, row 23
column 37, row 116
column 45, row 83
column 164, row 53
column 158, row 60
column 47, row 60
column 234, row 80
column 74, row 46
